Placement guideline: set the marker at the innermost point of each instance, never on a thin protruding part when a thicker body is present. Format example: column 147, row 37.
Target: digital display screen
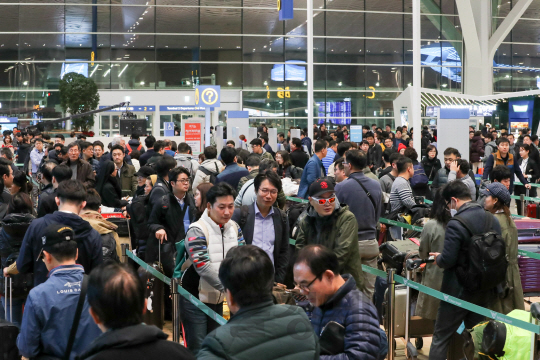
column 290, row 72
column 336, row 112
column 79, row 68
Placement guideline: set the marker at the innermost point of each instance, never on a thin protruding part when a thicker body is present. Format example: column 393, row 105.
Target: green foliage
column 79, row 94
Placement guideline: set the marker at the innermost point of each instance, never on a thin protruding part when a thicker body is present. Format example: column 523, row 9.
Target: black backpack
column 213, row 175
column 487, row 262
column 109, row 247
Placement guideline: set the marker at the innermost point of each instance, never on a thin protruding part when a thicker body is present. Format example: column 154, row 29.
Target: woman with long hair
column 497, row 202
column 285, row 166
column 530, row 169
column 8, row 142
column 432, row 240
column 108, row 186
column 21, row 184
column 430, row 162
column 200, row 198
column 14, row 226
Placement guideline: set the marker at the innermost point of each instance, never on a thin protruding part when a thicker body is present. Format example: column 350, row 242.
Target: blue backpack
column 419, row 179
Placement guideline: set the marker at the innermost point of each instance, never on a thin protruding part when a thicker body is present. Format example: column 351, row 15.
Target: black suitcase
column 122, row 224
column 394, row 252
column 8, row 341
column 154, row 293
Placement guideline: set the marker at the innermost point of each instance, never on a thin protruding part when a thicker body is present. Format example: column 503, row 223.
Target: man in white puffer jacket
column 207, row 243
column 211, row 165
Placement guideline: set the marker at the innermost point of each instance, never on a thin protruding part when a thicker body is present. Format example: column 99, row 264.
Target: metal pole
column 310, row 99
column 208, row 123
column 5, row 298
column 124, row 247
column 415, row 111
column 522, row 199
column 175, row 282
column 407, row 313
column 10, row 299
column 391, row 297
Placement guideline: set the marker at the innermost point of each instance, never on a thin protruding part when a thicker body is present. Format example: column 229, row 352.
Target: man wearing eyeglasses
column 81, row 169
column 265, row 226
column 170, row 218
column 334, row 226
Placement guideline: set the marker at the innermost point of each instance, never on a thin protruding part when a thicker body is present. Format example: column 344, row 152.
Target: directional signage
column 133, row 108
column 169, row 128
column 286, row 9
column 180, row 108
column 208, row 96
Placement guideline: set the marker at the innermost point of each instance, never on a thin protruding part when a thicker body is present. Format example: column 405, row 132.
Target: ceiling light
column 93, row 71
column 121, row 72
column 188, row 82
column 25, row 83
column 377, row 83
column 107, row 72
column 229, row 83
column 142, row 82
column 265, row 83
column 340, row 83
column 444, row 85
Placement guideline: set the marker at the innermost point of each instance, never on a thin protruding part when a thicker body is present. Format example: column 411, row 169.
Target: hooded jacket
column 490, row 148
column 339, row 233
column 314, row 169
column 134, row 144
column 477, row 149
column 88, row 242
column 187, row 161
column 213, row 165
column 102, row 226
column 136, row 342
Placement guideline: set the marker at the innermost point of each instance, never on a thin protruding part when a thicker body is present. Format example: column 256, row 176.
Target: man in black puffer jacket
column 456, row 245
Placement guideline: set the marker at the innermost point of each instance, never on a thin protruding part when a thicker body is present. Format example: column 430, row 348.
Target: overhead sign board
column 168, row 128
column 141, row 108
column 180, row 108
column 356, row 133
column 286, row 9
column 208, row 96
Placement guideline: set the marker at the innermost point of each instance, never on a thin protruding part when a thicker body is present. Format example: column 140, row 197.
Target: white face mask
column 453, row 212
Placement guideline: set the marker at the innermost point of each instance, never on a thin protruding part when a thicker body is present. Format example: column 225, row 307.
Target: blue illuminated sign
column 286, row 9
column 132, row 108
column 281, row 72
column 181, row 108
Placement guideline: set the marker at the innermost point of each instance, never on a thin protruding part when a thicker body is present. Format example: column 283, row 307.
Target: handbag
column 74, row 325
column 332, row 339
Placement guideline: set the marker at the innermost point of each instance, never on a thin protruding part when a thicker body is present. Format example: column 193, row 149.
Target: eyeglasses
column 74, row 151
column 266, row 191
column 306, row 287
column 183, row 181
column 322, row 201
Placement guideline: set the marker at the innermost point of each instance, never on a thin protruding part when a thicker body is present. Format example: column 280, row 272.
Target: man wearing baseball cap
column 50, row 307
column 332, row 225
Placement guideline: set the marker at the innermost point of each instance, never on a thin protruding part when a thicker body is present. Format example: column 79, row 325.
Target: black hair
column 231, row 142
column 298, row 143
column 395, row 157
column 20, row 203
column 135, row 136
column 463, row 166
column 264, row 137
column 248, row 273
column 357, row 159
column 93, row 200
column 116, row 295
column 319, row 259
column 174, row 146
column 286, row 158
column 158, row 145
column 456, row 189
column 62, row 172
column 525, row 147
column 227, row 155
column 38, row 140
column 403, row 164
column 7, row 152
column 210, row 152
column 320, row 145
column 64, row 251
column 253, row 160
column 63, row 150
column 432, row 147
column 20, row 180
column 99, row 143
column 267, row 164
column 386, row 154
column 411, row 154
column 269, row 175
column 71, row 191
column 174, row 173
column 149, row 141
column 184, row 148
column 47, row 169
column 60, row 136
column 164, row 165
column 343, row 147
column 219, row 190
column 534, row 138
column 499, row 173
column 504, row 140
column 368, row 134
column 332, row 143
column 452, row 151
column 339, row 163
column 135, row 154
column 85, row 144
column 257, row 142
column 117, row 147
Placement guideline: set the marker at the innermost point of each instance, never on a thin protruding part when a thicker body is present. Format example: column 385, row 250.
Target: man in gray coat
column 365, row 199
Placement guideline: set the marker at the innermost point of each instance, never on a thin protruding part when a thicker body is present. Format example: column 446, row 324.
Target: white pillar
column 207, row 125
column 309, row 24
column 415, row 110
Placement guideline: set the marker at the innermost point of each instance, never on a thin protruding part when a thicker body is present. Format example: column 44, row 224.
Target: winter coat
column 102, row 226
column 213, row 165
column 128, row 179
column 314, row 169
column 299, row 158
column 431, row 240
column 85, row 174
column 352, row 309
column 134, row 144
column 496, row 159
column 143, row 159
column 292, row 172
column 232, row 174
column 431, row 167
column 476, row 149
column 263, row 331
column 109, row 196
column 136, row 342
column 490, row 148
column 139, row 219
column 339, row 233
column 187, row 161
column 88, row 243
column 245, row 179
column 514, row 300
column 375, row 156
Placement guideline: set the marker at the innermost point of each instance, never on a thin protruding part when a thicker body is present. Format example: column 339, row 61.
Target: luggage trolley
column 405, row 325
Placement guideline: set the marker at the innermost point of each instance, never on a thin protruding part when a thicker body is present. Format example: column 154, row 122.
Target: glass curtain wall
column 363, row 52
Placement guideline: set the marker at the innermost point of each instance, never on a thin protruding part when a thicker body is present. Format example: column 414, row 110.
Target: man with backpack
column 232, row 172
column 252, row 164
column 107, row 230
column 209, row 169
column 364, row 197
column 134, row 144
column 264, row 225
column 468, row 275
column 169, row 220
column 185, row 159
column 388, row 178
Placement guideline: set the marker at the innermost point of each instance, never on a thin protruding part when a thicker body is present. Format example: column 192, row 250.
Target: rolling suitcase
column 529, row 270
column 533, row 211
column 528, row 231
column 394, row 252
column 119, row 220
column 154, row 294
column 8, row 331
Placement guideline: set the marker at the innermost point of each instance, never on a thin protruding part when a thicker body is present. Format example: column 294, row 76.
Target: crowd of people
column 72, row 298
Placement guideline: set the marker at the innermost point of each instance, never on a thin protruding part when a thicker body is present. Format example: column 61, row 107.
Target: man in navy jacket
column 232, row 172
column 336, row 299
column 71, row 199
column 314, row 168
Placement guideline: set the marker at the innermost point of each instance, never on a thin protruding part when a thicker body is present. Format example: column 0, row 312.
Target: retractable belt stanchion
column 390, row 301
column 125, row 247
column 175, row 283
column 522, row 199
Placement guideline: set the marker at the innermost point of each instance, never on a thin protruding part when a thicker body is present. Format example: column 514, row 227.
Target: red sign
column 193, row 136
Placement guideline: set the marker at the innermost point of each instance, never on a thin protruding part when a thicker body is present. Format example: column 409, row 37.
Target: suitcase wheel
column 419, row 342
